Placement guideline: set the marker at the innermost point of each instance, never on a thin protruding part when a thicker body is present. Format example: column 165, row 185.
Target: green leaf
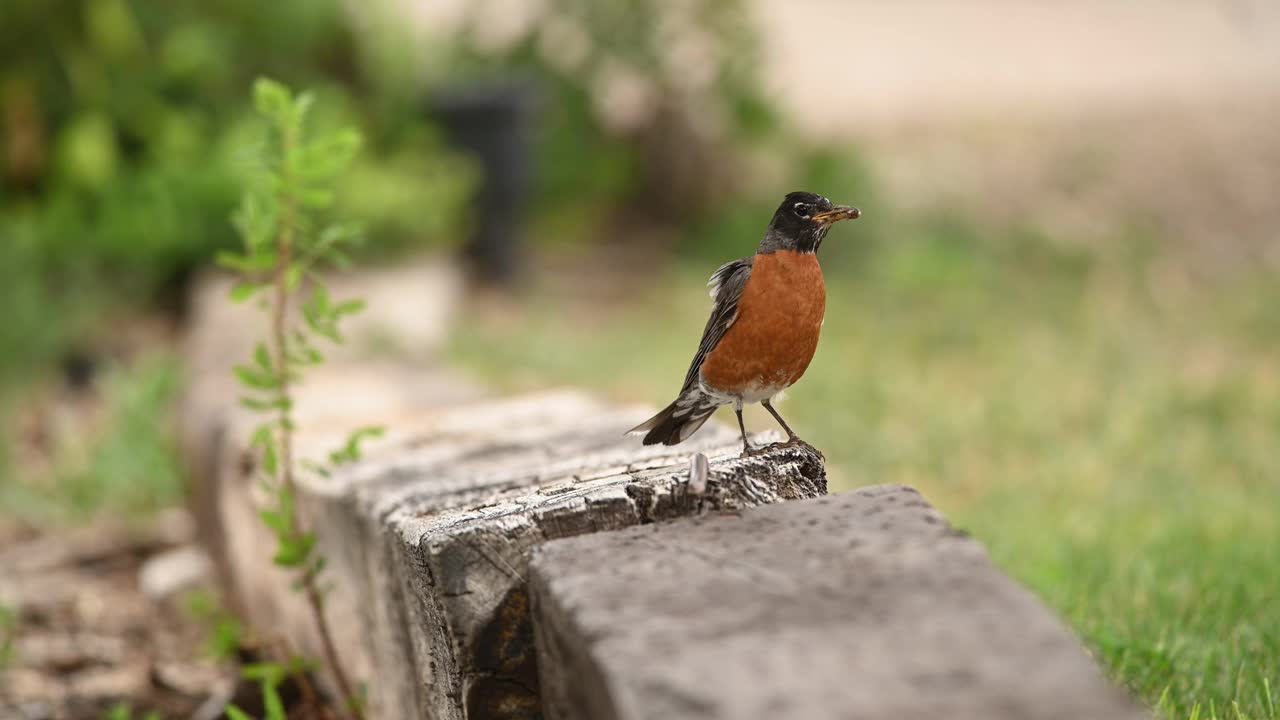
column 318, row 312
column 264, row 440
column 255, row 378
column 273, row 99
column 338, row 148
column 325, row 157
column 315, row 197
column 249, row 264
column 351, row 450
column 280, row 520
column 288, row 555
column 302, row 106
column 305, row 355
column 262, row 357
column 231, row 260
column 340, row 234
column 262, row 437
column 337, row 258
column 284, row 497
column 270, row 460
column 244, row 290
column 271, row 673
column 320, row 299
column 251, row 403
column 328, row 331
column 272, row 703
column 235, row 713
column 349, row 307
column 315, row 467
column 277, row 522
column 255, row 220
column 295, row 551
column 228, row 635
column 277, row 403
column 293, row 276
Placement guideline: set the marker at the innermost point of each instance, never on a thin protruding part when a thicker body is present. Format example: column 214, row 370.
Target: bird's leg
column 792, row 438
column 746, row 447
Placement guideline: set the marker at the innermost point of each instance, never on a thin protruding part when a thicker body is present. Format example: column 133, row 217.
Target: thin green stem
column 279, row 338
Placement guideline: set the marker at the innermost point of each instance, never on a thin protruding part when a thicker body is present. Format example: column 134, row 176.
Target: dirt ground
column 87, row 638
column 840, row 66
column 1087, row 118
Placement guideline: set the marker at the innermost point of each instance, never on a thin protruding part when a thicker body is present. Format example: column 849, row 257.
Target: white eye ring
column 797, row 208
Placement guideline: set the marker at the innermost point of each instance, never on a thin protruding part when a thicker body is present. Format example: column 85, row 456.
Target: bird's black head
column 802, row 221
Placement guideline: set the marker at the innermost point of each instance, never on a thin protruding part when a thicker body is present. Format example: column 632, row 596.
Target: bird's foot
column 789, row 442
column 793, row 441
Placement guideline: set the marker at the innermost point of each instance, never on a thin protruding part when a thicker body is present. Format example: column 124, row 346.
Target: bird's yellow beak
column 838, row 213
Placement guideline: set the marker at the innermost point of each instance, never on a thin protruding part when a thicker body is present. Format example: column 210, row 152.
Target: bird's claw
column 792, row 442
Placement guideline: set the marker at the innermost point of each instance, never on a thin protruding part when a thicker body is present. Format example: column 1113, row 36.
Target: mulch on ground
column 84, row 637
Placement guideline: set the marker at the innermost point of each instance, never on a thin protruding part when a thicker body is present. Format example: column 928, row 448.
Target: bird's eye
column 801, row 210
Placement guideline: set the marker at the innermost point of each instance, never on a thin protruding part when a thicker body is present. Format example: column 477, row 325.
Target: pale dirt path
column 838, row 65
column 1083, row 116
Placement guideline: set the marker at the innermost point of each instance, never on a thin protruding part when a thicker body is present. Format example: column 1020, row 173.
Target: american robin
column 765, row 320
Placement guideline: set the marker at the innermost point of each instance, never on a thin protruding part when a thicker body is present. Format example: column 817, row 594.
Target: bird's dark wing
column 726, row 289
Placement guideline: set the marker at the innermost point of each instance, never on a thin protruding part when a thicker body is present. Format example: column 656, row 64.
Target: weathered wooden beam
column 427, row 538
column 863, row 605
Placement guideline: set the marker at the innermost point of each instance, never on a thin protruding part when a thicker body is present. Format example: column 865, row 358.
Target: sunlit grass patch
column 117, row 457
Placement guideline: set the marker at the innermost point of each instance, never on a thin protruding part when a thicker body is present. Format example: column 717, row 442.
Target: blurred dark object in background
column 493, row 120
column 648, row 108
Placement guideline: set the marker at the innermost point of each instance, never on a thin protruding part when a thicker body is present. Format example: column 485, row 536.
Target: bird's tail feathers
column 677, row 421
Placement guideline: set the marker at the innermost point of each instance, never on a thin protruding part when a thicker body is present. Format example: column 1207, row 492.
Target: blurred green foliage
column 124, row 711
column 8, row 633
column 226, row 633
column 695, row 63
column 126, row 464
column 125, row 134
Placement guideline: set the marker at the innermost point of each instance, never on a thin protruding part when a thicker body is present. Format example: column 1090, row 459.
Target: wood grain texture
column 427, row 537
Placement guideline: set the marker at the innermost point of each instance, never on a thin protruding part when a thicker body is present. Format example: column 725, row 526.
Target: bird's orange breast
column 780, row 315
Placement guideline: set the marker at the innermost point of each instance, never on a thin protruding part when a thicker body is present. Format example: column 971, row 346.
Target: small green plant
column 121, row 465
column 285, row 243
column 226, row 632
column 8, row 634
column 124, row 711
column 270, row 676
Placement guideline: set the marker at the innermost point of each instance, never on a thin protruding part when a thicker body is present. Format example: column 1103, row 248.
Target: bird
column 766, row 316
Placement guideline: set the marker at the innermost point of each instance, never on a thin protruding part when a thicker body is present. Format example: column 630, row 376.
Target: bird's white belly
column 750, row 394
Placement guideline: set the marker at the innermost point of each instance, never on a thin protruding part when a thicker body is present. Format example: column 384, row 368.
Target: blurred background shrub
column 124, row 129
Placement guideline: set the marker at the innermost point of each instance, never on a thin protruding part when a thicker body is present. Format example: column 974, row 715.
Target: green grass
column 1108, row 425
column 126, row 463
